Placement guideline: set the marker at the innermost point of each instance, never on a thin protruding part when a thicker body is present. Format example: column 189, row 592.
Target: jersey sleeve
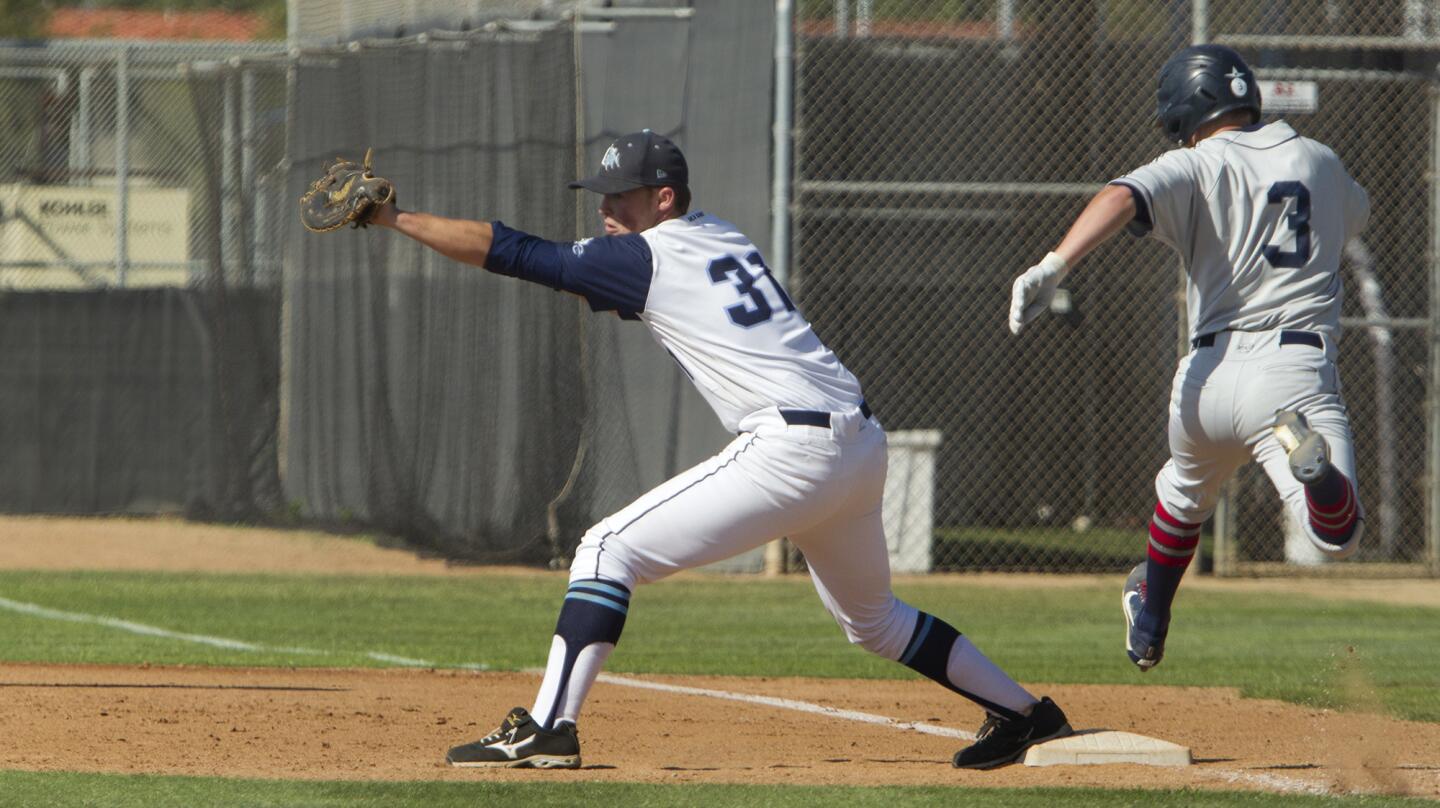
column 1357, row 208
column 612, row 273
column 1165, row 192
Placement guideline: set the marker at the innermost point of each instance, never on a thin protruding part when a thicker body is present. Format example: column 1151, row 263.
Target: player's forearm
column 1108, row 212
column 459, row 239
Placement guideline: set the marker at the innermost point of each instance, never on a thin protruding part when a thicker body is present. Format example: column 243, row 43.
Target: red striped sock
column 1172, row 542
column 1172, row 546
column 1333, row 507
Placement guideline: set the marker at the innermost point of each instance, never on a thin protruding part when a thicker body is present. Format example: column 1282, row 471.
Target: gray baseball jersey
column 1260, row 217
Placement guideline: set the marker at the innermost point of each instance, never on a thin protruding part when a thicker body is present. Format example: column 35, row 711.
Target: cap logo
column 660, row 174
column 611, row 160
column 1238, row 87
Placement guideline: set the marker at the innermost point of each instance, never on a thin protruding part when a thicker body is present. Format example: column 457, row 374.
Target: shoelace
column 988, row 728
column 506, row 727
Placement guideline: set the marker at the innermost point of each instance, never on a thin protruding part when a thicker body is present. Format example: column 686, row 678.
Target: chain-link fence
column 146, row 224
column 318, row 22
column 137, row 279
column 172, row 138
column 312, row 22
column 942, row 147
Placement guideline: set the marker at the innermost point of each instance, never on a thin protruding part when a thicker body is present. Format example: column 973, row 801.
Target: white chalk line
column 1268, row 781
column 35, row 610
column 1272, row 782
column 790, row 704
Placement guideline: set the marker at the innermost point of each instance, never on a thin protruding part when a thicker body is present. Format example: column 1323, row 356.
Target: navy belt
column 1286, row 338
column 815, row 417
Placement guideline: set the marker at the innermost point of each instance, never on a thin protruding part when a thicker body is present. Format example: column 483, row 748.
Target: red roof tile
column 142, row 24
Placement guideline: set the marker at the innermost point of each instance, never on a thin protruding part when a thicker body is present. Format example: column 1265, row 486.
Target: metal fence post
column 122, row 165
column 80, row 141
column 229, row 198
column 1005, row 19
column 1432, row 405
column 347, row 21
column 250, row 243
column 1415, row 14
column 780, row 188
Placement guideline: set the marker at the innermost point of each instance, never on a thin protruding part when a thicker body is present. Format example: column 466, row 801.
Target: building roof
column 148, row 24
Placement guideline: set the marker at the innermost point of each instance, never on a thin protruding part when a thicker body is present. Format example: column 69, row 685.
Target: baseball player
column 808, row 461
column 1259, row 215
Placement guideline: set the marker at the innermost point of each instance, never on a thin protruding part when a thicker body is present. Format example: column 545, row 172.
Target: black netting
column 142, row 363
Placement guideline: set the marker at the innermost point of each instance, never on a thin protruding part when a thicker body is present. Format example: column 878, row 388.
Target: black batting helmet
column 1201, row 83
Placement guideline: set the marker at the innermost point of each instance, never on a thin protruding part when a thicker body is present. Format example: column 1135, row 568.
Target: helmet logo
column 611, row 160
column 1237, row 82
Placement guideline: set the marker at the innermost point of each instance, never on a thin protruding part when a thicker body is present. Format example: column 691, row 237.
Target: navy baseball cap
column 638, row 160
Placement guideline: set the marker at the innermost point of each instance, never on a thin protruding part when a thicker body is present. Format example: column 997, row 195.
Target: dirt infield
column 396, row 724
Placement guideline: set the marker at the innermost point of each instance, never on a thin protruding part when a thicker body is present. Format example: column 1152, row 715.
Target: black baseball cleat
column 1308, row 452
column 1145, row 648
column 521, row 743
column 1001, row 740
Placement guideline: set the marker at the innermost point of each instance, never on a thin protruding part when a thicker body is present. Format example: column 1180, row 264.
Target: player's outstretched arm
column 462, row 240
column 611, row 273
column 1107, row 213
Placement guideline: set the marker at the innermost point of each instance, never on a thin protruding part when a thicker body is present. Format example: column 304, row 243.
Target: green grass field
column 752, row 628
column 1060, row 549
column 1272, row 646
column 120, row 791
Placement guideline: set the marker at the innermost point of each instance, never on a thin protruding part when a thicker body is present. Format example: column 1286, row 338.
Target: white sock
column 973, row 672
column 563, row 692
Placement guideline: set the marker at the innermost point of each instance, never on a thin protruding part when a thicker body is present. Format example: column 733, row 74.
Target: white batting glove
column 1033, row 290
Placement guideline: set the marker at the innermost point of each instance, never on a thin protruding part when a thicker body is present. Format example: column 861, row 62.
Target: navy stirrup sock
column 593, row 612
column 928, row 654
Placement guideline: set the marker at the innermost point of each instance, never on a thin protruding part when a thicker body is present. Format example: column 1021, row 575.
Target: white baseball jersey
column 717, row 309
column 1260, row 217
column 816, row 476
column 708, row 298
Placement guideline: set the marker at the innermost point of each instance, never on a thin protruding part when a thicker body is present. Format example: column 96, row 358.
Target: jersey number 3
column 757, row 310
column 1299, row 221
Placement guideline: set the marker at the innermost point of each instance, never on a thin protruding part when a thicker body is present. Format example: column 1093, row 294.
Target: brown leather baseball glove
column 348, row 194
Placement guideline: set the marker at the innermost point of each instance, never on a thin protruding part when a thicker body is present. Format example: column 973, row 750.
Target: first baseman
column 1259, row 215
column 808, row 461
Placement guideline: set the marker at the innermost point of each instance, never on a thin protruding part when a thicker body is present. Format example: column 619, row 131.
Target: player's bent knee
column 603, row 557
column 1185, row 502
column 884, row 634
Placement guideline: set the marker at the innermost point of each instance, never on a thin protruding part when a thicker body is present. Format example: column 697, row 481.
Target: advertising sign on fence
column 58, row 237
column 1280, row 97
